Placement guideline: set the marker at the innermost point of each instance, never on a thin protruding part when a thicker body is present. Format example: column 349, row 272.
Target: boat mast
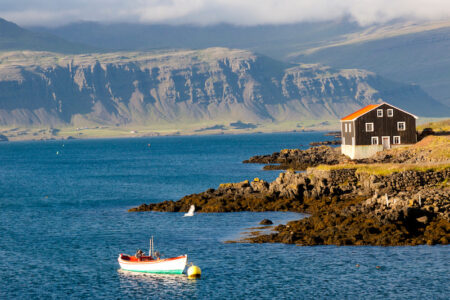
column 151, row 247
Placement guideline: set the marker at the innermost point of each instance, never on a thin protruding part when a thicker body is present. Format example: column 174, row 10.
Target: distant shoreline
column 29, row 136
column 114, row 132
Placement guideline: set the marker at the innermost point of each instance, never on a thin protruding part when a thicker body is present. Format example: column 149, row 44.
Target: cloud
column 203, row 12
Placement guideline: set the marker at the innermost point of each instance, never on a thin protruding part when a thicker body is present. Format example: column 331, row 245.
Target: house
column 376, row 127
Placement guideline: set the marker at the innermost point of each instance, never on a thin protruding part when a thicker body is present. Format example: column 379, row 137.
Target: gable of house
column 374, row 127
column 385, row 126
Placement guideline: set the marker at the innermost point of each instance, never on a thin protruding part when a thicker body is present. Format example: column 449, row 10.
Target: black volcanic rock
column 299, row 159
column 345, row 207
column 266, row 222
column 326, row 143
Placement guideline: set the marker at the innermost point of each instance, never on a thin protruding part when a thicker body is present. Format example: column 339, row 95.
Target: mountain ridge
column 410, row 52
column 215, row 84
column 14, row 37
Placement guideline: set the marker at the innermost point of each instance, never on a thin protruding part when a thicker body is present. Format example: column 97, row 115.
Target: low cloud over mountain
column 249, row 12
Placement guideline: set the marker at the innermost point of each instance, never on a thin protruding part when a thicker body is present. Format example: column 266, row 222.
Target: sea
column 64, row 221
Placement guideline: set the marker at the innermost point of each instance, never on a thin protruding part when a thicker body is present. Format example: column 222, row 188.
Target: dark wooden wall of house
column 385, row 126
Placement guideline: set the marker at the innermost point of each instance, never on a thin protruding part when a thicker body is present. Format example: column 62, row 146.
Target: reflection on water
column 150, row 277
column 155, row 284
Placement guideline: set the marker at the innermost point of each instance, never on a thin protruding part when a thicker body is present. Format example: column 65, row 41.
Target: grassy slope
column 411, row 54
column 439, row 126
column 435, row 150
column 387, row 169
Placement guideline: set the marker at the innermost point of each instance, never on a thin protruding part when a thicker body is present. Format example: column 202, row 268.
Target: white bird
column 190, row 213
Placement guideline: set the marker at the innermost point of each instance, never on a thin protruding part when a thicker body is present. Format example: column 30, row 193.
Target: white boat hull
column 175, row 265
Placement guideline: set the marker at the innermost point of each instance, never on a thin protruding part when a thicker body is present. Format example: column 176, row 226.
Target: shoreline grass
column 386, row 168
column 438, row 126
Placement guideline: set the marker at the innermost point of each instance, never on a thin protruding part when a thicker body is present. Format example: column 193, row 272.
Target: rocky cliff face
column 41, row 88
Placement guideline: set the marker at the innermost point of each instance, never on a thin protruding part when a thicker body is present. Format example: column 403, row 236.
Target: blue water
column 63, row 221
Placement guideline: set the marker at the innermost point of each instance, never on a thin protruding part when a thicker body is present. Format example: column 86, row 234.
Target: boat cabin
column 376, row 127
column 133, row 258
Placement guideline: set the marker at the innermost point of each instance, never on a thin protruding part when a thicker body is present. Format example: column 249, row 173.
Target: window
column 374, row 140
column 379, row 113
column 345, row 125
column 396, row 140
column 350, row 127
column 390, row 112
column 369, row 127
column 401, row 126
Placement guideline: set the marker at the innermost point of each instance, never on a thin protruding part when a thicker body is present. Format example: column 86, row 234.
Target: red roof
column 360, row 112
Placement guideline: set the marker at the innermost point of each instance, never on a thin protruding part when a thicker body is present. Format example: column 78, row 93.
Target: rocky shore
column 297, row 159
column 348, row 202
column 346, row 206
column 326, row 143
column 351, row 208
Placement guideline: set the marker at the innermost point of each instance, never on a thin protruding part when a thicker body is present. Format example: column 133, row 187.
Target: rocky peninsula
column 299, row 160
column 349, row 203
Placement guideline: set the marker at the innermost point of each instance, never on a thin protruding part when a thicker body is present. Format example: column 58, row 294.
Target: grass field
column 386, row 169
column 438, row 126
column 204, row 128
column 434, row 152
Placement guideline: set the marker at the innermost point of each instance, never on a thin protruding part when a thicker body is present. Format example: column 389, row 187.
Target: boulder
column 266, row 222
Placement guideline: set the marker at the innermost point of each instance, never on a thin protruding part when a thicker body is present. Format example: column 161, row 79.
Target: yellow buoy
column 194, row 272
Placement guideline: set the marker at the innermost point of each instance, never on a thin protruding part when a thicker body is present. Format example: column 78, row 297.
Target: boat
column 152, row 263
column 148, row 264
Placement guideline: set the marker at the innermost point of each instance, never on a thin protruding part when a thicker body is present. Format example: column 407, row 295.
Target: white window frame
column 390, row 112
column 374, row 138
column 349, row 127
column 398, row 126
column 373, row 127
column 379, row 113
column 346, row 127
column 393, row 140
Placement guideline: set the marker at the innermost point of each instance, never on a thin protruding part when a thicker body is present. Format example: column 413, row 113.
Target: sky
column 205, row 12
